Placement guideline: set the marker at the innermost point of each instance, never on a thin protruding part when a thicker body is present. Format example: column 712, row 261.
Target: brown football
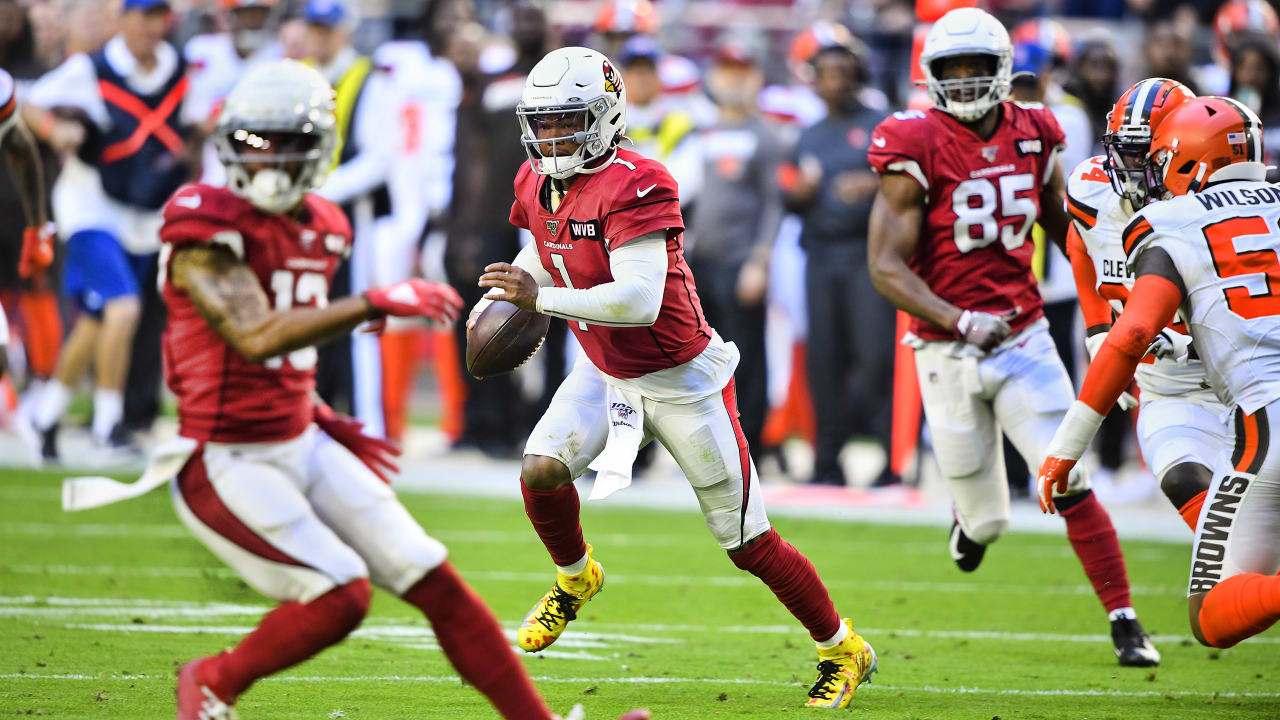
column 504, row 338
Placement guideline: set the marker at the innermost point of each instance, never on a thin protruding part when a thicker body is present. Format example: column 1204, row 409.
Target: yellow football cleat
column 841, row 670
column 552, row 614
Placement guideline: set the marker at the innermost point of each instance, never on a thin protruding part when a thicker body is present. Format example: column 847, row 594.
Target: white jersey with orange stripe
column 1224, row 242
column 1100, row 215
column 8, row 104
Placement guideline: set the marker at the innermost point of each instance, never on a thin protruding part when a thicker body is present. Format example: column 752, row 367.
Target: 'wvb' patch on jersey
column 585, row 230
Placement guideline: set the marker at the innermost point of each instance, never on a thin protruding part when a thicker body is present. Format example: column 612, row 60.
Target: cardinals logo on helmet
column 612, row 81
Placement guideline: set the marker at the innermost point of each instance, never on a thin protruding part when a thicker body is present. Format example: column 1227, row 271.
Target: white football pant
column 1177, row 429
column 1021, row 388
column 298, row 518
column 702, row 436
column 1239, row 527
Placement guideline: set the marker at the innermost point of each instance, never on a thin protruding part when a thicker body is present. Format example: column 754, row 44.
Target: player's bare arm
column 896, row 217
column 1053, row 214
column 230, row 298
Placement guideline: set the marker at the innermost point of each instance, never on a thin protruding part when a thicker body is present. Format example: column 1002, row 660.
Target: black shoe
column 1133, row 646
column 886, row 478
column 967, row 553
column 49, row 443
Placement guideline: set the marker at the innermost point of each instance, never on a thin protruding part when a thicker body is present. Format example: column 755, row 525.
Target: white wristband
column 1075, row 433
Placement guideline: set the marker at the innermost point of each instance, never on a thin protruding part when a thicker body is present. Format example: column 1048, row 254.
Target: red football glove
column 1054, row 474
column 37, row 249
column 417, row 298
column 377, row 454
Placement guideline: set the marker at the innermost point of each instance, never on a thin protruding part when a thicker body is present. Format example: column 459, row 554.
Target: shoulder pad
column 1088, row 192
column 197, row 214
column 1136, row 236
column 897, row 147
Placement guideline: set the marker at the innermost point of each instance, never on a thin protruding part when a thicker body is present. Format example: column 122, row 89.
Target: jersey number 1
column 1231, row 263
column 558, row 260
column 983, row 215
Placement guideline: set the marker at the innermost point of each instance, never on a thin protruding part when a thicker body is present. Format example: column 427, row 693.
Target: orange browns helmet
column 1205, row 140
column 1130, row 126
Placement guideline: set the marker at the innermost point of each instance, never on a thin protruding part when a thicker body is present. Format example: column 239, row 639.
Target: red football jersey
column 983, row 197
column 632, row 196
column 221, row 396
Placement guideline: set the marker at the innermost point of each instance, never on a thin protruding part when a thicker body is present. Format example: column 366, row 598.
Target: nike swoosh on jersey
column 879, row 141
column 641, row 193
column 190, row 202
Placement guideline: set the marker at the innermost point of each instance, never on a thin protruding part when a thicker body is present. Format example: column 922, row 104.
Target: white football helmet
column 577, row 89
column 968, row 31
column 292, row 103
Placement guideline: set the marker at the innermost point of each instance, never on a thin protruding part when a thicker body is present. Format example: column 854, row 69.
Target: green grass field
column 99, row 608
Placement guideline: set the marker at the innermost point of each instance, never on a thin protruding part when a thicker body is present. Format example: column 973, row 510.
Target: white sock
column 836, row 639
column 1126, row 613
column 108, row 408
column 50, row 405
column 575, row 568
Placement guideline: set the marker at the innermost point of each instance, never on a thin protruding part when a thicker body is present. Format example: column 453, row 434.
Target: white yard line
column 743, row 580
column 639, row 680
column 68, row 608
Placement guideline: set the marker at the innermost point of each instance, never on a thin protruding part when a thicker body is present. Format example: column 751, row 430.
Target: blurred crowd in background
column 761, row 109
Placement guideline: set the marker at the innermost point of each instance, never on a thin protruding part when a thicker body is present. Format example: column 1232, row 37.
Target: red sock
column 1191, row 511
column 1094, row 539
column 286, row 636
column 1240, row 607
column 554, row 514
column 791, row 577
column 473, row 641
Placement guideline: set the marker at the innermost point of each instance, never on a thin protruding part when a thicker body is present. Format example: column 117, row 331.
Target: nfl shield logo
column 989, row 153
column 553, row 226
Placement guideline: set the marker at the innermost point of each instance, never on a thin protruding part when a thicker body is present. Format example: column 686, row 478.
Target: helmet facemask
column 272, row 169
column 564, row 139
column 1132, row 174
column 969, row 99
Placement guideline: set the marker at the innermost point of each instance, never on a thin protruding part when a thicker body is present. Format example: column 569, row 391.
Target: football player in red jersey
column 285, row 491
column 961, row 185
column 608, row 256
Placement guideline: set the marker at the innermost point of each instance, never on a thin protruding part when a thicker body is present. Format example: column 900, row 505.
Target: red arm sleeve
column 1151, row 305
column 1096, row 310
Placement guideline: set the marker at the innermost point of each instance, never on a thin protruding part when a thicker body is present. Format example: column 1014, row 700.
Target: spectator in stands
column 851, row 327
column 128, row 100
column 495, row 421
column 349, row 372
column 429, row 90
column 1168, row 54
column 1092, row 78
column 735, row 221
column 660, row 129
column 618, row 21
column 218, row 60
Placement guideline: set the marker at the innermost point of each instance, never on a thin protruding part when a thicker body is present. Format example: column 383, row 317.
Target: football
column 504, row 338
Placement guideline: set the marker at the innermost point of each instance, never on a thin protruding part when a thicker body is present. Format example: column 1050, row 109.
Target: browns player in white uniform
column 1210, row 254
column 961, row 185
column 607, row 256
column 285, row 491
column 1181, row 423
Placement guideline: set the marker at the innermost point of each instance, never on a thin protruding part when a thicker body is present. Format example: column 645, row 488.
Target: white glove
column 1126, row 401
column 1171, row 345
column 985, row 330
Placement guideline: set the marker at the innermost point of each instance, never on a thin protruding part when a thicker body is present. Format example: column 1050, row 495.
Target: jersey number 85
column 976, row 203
